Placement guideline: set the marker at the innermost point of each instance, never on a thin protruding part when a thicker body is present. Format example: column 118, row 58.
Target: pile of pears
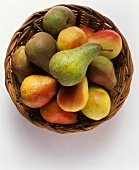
column 67, row 69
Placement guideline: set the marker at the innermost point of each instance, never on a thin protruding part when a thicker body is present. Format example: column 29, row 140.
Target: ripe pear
column 40, row 48
column 37, row 90
column 69, row 66
column 109, row 39
column 101, row 71
column 21, row 66
column 57, row 19
column 98, row 104
column 73, row 98
column 52, row 113
column 88, row 30
column 71, row 37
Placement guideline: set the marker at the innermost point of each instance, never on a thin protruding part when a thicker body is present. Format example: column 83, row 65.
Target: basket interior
column 123, row 68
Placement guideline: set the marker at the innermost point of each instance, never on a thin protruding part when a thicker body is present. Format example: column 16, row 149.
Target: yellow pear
column 71, row 37
column 99, row 103
column 73, row 98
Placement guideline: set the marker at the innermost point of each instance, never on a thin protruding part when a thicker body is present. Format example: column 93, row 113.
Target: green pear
column 98, row 104
column 101, row 71
column 57, row 19
column 21, row 66
column 69, row 66
column 40, row 48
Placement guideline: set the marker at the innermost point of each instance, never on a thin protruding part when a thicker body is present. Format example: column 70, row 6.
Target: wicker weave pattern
column 123, row 68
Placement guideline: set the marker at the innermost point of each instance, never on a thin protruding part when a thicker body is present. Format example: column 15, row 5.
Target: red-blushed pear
column 88, row 30
column 73, row 98
column 37, row 90
column 109, row 39
column 52, row 113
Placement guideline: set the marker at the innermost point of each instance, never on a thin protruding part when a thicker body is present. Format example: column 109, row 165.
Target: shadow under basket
column 122, row 63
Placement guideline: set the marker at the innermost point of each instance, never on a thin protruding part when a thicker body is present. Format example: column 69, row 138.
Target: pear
column 88, row 30
column 69, row 66
column 73, row 98
column 37, row 90
column 71, row 37
column 98, row 104
column 52, row 113
column 21, row 66
column 57, row 19
column 40, row 48
column 109, row 39
column 101, row 71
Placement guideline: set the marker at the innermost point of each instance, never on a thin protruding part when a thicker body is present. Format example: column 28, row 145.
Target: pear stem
column 105, row 49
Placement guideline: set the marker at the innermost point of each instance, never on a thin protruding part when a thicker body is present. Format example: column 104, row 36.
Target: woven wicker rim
column 123, row 68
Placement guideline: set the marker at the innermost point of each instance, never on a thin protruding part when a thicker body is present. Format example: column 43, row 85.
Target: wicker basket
column 123, row 68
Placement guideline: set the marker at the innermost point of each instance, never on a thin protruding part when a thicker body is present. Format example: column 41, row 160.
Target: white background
column 113, row 145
